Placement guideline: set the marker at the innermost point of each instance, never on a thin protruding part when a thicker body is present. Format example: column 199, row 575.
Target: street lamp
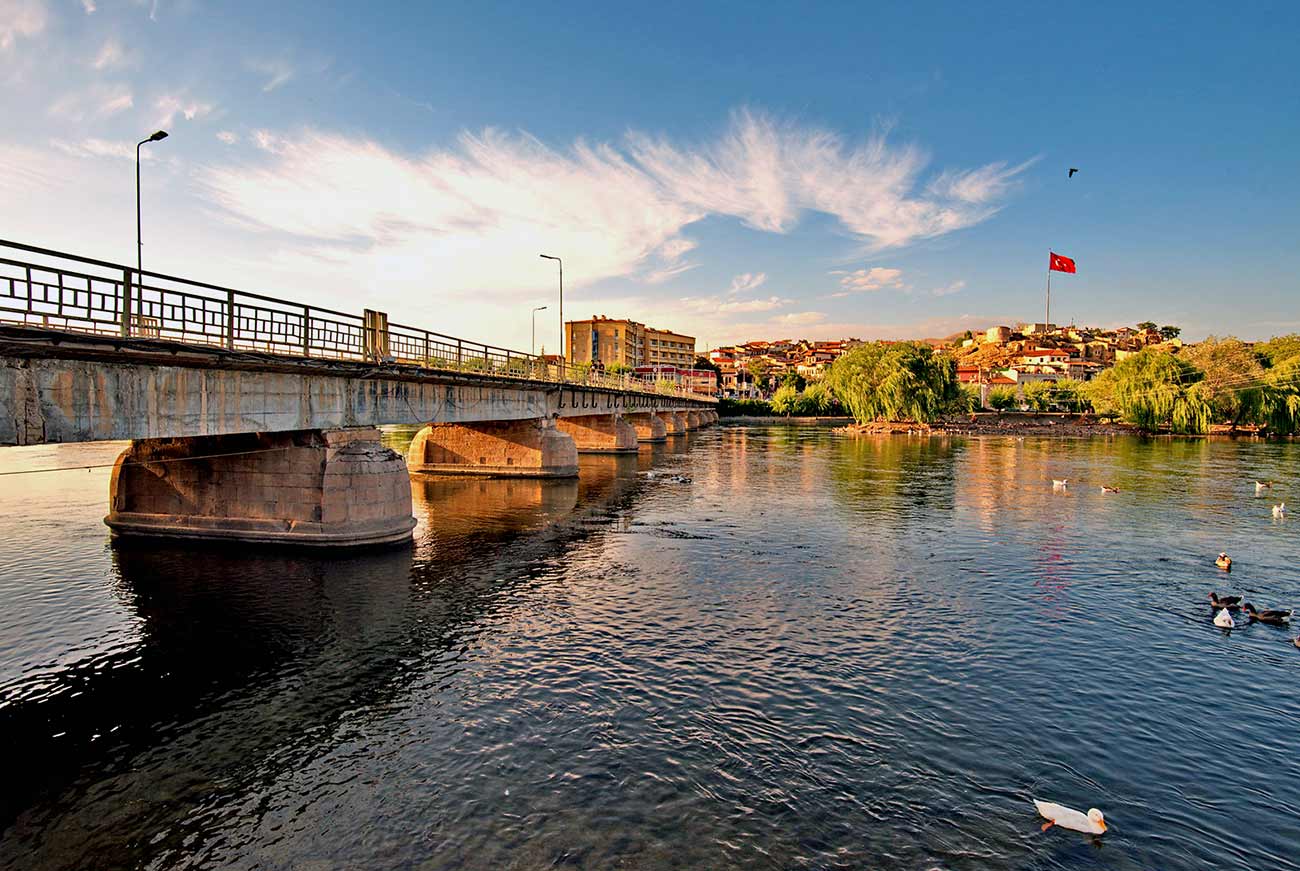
column 540, row 308
column 561, row 262
column 139, row 244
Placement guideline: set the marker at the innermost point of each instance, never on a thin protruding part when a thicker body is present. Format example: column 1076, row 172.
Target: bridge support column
column 649, row 426
column 676, row 423
column 600, row 433
column 693, row 420
column 333, row 488
column 508, row 448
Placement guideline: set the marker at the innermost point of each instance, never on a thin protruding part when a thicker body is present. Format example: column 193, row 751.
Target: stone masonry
column 523, row 448
column 600, row 434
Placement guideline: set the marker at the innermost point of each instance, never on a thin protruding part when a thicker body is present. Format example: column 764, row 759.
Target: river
column 821, row 652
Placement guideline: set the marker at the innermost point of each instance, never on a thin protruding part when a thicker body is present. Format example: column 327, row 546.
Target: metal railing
column 59, row 291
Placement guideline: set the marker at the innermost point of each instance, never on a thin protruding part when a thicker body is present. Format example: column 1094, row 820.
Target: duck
column 1279, row 510
column 1092, row 823
column 1274, row 617
column 1106, row 489
column 1224, row 620
column 1060, row 483
column 1297, row 641
column 1232, row 603
column 1261, row 486
column 1224, row 562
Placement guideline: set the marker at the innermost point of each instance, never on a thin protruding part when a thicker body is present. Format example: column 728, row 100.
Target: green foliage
column 666, row 385
column 785, row 400
column 1038, row 395
column 816, row 399
column 903, row 381
column 1003, row 398
column 1154, row 389
column 1278, row 349
column 757, row 368
column 1168, row 333
column 618, row 369
column 1100, row 394
column 744, row 408
column 1068, row 395
column 1147, row 325
column 1280, row 398
column 1232, row 378
column 794, row 379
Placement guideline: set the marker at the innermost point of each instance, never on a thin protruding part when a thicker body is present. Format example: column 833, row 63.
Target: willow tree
column 1232, row 379
column 903, row 381
column 1154, row 389
column 1280, row 405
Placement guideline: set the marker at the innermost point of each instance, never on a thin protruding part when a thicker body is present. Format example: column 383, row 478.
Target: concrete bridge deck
column 253, row 418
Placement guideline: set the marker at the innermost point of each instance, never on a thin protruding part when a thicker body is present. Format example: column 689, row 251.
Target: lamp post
column 561, row 262
column 540, row 308
column 156, row 136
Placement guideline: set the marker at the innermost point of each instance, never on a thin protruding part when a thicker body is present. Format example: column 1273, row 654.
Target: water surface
column 822, row 652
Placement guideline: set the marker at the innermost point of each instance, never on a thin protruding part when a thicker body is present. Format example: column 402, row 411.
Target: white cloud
column 875, row 278
column 98, row 148
column 228, row 137
column 708, row 305
column 799, row 319
column 948, row 290
column 97, row 101
column 21, row 18
column 277, row 72
column 111, row 56
column 172, row 106
column 490, row 202
column 746, row 282
column 89, row 6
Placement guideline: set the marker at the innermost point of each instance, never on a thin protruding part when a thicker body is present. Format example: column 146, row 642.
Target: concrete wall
column 600, row 433
column 67, row 400
column 522, row 448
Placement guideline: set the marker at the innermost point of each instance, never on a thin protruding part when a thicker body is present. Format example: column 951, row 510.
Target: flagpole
column 1047, row 324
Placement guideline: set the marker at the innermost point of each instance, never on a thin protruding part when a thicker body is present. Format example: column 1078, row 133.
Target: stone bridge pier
column 530, row 448
column 600, row 433
column 649, row 426
column 331, row 487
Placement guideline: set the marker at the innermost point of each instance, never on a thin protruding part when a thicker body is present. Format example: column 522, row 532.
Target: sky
column 733, row 171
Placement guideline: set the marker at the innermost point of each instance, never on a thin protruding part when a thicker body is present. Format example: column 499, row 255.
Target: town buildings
column 610, row 341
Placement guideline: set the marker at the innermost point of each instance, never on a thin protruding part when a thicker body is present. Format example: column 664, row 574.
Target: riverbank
column 778, row 420
column 1014, row 423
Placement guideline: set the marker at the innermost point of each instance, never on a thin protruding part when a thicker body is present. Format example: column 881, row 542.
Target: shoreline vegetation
column 1217, row 387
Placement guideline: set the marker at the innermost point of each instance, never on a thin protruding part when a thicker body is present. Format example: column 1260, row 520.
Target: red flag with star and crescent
column 1060, row 263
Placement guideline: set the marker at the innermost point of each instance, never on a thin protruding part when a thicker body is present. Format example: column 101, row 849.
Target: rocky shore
column 1068, row 425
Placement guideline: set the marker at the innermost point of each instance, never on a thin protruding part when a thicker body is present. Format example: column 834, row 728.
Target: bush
column 1003, row 398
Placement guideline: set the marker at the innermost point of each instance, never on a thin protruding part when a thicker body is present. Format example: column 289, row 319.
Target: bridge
column 254, row 418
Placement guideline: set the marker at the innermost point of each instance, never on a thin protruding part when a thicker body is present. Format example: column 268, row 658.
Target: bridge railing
column 60, row 291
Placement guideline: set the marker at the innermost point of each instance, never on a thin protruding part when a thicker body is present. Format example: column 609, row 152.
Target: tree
column 1003, row 398
column 1100, row 394
column 903, row 381
column 705, row 363
column 1233, row 378
column 816, row 399
column 1147, row 325
column 1280, row 400
column 794, row 379
column 618, row 369
column 1278, row 349
column 785, row 400
column 758, row 368
column 1155, row 389
column 1168, row 333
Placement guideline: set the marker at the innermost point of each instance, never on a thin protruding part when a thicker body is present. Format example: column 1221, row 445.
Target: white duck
column 1261, row 486
column 1224, row 620
column 1060, row 483
column 1279, row 511
column 1092, row 823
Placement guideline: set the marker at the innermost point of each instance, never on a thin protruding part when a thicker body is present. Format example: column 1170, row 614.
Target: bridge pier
column 332, row 487
column 649, row 426
column 533, row 448
column 680, row 426
column 693, row 420
column 600, row 433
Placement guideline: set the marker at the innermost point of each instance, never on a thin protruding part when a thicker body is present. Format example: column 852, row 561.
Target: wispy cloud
column 949, row 289
column 96, row 101
column 89, row 6
column 491, row 201
column 276, row 71
column 173, row 106
column 21, row 19
column 93, row 147
column 112, row 55
column 746, row 282
column 800, row 319
column 865, row 280
column 228, row 137
column 712, row 305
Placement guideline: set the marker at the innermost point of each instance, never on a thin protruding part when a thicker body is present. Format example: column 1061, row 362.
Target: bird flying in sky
column 1073, row 170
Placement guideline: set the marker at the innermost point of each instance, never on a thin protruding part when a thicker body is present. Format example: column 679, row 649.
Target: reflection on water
column 822, row 652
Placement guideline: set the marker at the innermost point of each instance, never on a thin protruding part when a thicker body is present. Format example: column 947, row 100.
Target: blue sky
column 731, row 170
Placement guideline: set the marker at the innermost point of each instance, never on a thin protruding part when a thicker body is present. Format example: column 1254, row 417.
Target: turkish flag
column 1060, row 263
